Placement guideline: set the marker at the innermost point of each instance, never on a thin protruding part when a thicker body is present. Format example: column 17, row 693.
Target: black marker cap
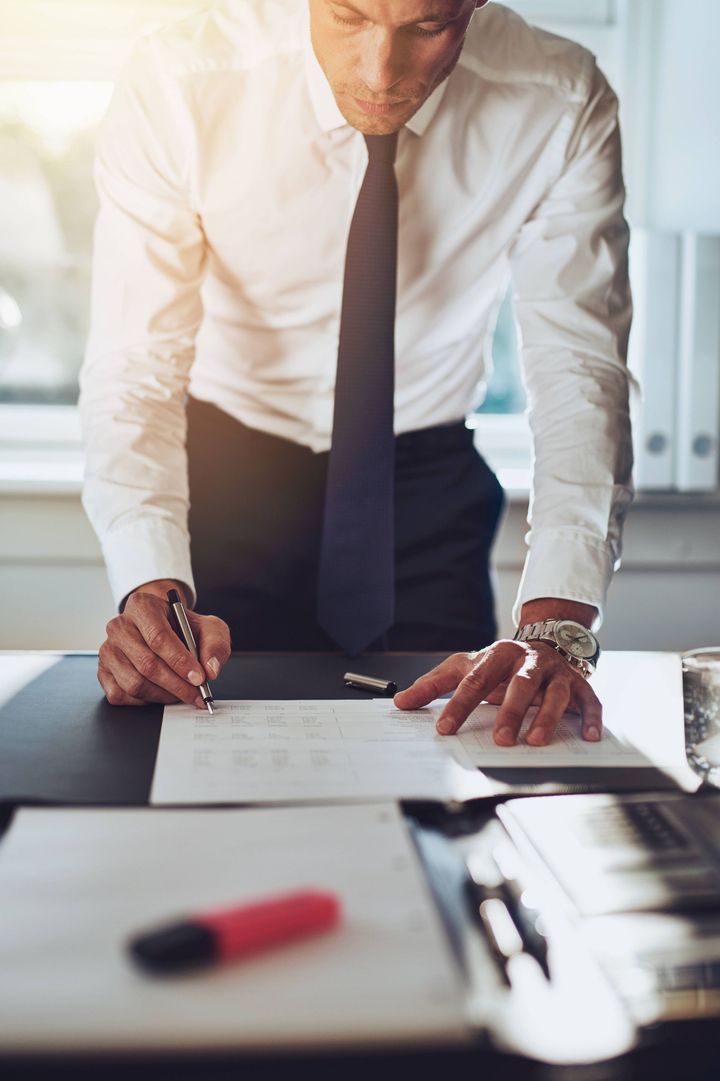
column 183, row 945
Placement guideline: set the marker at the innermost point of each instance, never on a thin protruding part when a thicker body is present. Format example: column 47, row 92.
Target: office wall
column 686, row 132
column 672, row 144
column 54, row 594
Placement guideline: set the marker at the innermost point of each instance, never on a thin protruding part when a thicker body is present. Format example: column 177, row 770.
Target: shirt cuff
column 144, row 551
column 568, row 564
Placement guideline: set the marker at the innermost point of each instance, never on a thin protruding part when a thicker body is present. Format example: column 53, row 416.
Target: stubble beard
column 386, row 125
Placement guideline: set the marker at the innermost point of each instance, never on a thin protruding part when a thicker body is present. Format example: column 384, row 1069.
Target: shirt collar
column 326, row 109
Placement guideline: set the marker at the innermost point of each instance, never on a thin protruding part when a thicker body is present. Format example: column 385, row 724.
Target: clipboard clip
column 504, row 906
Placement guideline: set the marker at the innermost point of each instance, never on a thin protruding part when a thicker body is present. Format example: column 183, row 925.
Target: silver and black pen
column 184, row 631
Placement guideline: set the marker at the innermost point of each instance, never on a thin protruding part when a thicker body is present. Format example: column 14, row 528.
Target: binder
column 653, row 354
column 698, row 386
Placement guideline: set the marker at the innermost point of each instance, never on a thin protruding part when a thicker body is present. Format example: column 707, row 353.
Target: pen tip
column 209, row 706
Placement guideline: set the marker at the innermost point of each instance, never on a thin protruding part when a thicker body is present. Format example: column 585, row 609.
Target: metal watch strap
column 541, row 632
column 533, row 631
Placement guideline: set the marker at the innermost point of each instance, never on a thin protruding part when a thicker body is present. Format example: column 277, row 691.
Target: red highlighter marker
column 229, row 933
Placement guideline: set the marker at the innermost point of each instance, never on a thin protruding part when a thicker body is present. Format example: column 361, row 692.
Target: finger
column 132, row 683
column 496, row 665
column 113, row 693
column 128, row 642
column 523, row 690
column 591, row 712
column 445, row 677
column 496, row 697
column 555, row 701
column 213, row 638
column 151, row 616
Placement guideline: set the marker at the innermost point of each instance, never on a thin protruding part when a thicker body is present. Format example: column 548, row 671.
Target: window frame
column 60, row 425
column 54, row 464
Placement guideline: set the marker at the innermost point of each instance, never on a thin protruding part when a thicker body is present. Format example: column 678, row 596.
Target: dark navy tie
column 356, row 587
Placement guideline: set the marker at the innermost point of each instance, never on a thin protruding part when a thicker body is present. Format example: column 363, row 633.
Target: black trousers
column 256, row 505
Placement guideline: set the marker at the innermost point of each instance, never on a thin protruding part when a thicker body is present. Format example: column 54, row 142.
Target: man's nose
column 381, row 63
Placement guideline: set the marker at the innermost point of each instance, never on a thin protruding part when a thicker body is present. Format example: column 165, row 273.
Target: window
column 504, row 390
column 46, row 218
column 594, row 24
column 47, row 210
column 57, row 61
column 575, row 11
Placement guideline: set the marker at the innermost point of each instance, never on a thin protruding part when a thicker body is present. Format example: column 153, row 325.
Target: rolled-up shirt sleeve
column 149, row 258
column 572, row 300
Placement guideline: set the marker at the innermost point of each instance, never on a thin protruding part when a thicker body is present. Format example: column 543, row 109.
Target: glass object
column 701, row 684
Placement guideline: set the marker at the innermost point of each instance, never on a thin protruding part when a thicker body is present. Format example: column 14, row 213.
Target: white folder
column 653, row 354
column 698, row 388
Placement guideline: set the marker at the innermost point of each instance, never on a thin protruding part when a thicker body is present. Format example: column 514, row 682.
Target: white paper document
column 77, row 884
column 296, row 751
column 643, row 721
column 299, row 751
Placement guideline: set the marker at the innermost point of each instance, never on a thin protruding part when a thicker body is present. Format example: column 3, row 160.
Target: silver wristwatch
column 575, row 643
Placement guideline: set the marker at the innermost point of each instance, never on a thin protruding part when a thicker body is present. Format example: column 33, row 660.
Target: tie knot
column 382, row 147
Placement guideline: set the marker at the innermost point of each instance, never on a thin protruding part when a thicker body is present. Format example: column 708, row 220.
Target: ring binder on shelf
column 698, row 387
column 653, row 355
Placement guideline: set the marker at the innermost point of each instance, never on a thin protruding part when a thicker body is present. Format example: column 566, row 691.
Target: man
column 251, row 172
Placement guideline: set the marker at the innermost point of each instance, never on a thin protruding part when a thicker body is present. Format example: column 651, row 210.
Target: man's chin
column 375, row 125
column 383, row 124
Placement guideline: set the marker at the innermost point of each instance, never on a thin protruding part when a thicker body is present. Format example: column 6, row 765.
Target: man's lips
column 373, row 109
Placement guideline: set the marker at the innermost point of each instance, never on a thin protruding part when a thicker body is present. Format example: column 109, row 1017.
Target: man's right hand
column 143, row 660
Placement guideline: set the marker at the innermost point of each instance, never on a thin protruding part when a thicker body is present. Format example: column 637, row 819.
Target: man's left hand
column 515, row 676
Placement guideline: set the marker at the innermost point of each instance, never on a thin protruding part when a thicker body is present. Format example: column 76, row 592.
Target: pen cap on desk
column 174, row 948
column 370, row 683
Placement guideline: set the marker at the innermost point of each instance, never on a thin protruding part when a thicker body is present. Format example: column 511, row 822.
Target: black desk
column 61, row 742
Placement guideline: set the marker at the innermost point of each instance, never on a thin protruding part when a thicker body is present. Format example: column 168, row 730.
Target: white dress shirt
column 227, row 178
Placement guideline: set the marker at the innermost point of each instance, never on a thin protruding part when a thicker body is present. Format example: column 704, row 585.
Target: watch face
column 575, row 639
